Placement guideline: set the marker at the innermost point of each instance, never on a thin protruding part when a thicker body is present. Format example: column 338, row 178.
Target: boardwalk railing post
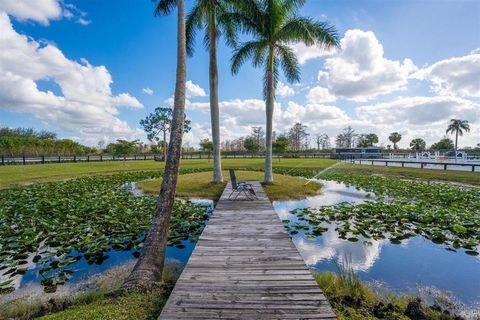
column 473, row 168
column 88, row 158
column 3, row 160
column 445, row 166
column 74, row 158
column 101, row 157
column 43, row 159
column 23, row 157
column 59, row 159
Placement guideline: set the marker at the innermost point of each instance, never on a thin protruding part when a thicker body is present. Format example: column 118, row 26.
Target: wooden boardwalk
column 245, row 266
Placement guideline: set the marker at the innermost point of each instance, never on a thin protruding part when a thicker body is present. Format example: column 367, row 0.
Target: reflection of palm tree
column 417, row 144
column 210, row 14
column 274, row 24
column 395, row 137
column 458, row 126
column 147, row 272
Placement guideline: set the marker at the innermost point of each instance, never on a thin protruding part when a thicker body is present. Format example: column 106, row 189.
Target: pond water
column 29, row 285
column 415, row 264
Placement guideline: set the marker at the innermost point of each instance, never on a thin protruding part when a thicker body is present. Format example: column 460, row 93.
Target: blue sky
column 406, row 66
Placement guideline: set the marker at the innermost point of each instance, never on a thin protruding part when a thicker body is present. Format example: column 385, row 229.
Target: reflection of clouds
column 329, row 246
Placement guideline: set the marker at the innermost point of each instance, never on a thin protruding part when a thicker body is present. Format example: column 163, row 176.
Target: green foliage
column 251, row 145
column 444, row 144
column 157, row 124
column 418, row 144
column 206, row 145
column 280, row 145
column 367, row 140
column 273, row 24
column 122, row 148
column 58, row 224
column 29, row 142
column 395, row 137
column 458, row 126
column 403, row 209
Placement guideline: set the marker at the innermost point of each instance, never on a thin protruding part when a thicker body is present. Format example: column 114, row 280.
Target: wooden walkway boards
column 245, row 266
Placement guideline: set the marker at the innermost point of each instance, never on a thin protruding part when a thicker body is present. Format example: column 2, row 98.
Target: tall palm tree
column 209, row 14
column 395, row 137
column 149, row 267
column 274, row 24
column 457, row 126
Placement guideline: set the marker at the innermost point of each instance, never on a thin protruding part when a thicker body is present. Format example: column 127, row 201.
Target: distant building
column 357, row 153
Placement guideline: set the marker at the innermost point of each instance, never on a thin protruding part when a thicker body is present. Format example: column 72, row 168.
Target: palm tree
column 395, row 137
column 274, row 24
column 457, row 126
column 149, row 267
column 210, row 14
column 417, row 144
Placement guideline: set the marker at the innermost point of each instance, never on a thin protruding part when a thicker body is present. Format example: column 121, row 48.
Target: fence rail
column 24, row 160
column 458, row 166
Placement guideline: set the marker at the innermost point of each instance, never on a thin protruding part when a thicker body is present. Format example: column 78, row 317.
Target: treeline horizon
column 29, row 142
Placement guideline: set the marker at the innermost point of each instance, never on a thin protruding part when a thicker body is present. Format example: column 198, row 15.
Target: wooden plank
column 245, row 266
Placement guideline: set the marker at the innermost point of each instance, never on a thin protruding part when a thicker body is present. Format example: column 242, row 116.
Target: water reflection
column 400, row 268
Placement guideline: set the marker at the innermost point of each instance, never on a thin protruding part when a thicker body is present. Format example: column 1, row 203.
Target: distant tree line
column 29, row 142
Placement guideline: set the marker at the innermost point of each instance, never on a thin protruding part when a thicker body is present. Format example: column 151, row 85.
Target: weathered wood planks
column 245, row 266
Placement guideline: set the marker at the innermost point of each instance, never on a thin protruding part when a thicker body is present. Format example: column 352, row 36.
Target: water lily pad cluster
column 51, row 226
column 443, row 213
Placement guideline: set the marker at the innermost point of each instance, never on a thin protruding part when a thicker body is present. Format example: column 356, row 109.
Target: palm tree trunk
column 148, row 269
column 269, row 115
column 456, row 141
column 214, row 111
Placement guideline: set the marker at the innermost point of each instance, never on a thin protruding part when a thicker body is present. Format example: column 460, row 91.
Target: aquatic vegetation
column 443, row 213
column 52, row 226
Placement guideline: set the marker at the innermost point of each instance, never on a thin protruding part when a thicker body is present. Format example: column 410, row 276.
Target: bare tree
column 298, row 137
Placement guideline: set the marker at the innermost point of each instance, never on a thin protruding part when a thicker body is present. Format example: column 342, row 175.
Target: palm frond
column 309, row 32
column 193, row 23
column 292, row 5
column 242, row 54
column 164, row 7
column 289, row 63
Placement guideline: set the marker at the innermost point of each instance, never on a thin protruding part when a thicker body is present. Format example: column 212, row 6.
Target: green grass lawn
column 199, row 185
column 18, row 175
column 464, row 177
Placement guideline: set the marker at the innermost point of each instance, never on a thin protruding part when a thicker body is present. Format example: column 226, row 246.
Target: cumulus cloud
column 39, row 10
column 194, row 90
column 425, row 117
column 42, row 11
column 305, row 53
column 455, row 76
column 359, row 71
column 86, row 103
column 320, row 94
column 147, row 91
column 283, row 90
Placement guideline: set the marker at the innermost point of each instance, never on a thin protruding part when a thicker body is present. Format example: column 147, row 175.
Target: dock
column 245, row 266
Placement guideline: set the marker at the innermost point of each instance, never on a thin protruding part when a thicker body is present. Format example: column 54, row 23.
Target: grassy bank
column 199, row 185
column 18, row 175
column 463, row 177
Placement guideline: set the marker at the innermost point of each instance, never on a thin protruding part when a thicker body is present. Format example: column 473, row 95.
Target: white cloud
column 305, row 53
column 147, row 91
column 37, row 10
column 86, row 103
column 320, row 95
column 425, row 117
column 359, row 71
column 283, row 90
column 194, row 90
column 455, row 76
